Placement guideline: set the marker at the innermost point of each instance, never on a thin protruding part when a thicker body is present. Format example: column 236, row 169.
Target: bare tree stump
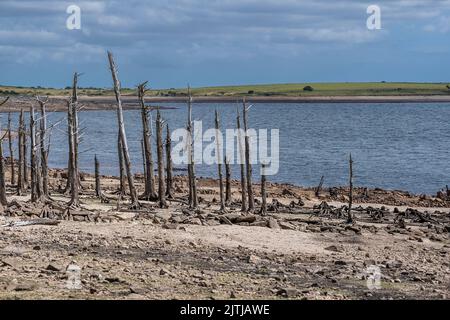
column 219, row 161
column 169, row 164
column 350, row 195
column 251, row 199
column 242, row 165
column 160, row 154
column 11, row 151
column 228, row 198
column 149, row 185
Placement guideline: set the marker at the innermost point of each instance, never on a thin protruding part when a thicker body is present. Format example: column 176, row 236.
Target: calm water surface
column 394, row 146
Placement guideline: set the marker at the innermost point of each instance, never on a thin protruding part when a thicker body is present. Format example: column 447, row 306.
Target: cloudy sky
column 219, row 42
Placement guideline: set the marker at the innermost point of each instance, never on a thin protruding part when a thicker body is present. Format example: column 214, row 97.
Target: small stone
column 170, row 226
column 286, row 225
column 273, row 224
column 37, row 248
column 52, row 267
column 25, row 286
column 163, row 272
column 253, row 259
column 287, row 292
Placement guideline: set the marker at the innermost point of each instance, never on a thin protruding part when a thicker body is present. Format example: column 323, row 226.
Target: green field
column 287, row 90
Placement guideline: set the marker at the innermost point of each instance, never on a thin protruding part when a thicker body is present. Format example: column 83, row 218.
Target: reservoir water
column 394, row 146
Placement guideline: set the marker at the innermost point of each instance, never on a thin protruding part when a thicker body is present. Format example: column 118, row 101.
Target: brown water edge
column 130, row 102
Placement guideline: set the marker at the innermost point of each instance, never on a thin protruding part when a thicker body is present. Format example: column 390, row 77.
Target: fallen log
column 34, row 222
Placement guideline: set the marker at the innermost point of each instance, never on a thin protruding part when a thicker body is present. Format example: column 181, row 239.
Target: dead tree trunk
column 69, row 137
column 74, row 181
column 72, row 122
column 219, row 161
column 193, row 198
column 3, row 200
column 98, row 188
column 160, row 154
column 98, row 191
column 21, row 188
column 34, row 168
column 43, row 148
column 227, row 182
column 149, row 191
column 25, row 155
column 72, row 116
column 169, row 164
column 263, row 210
column 350, row 195
column 38, row 164
column 242, row 165
column 11, row 151
column 144, row 166
column 123, row 136
column 251, row 199
column 122, row 173
column 319, row 187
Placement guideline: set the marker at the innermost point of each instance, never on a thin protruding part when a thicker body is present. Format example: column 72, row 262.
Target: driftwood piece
column 34, row 222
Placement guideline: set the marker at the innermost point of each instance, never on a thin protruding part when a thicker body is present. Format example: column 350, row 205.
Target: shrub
column 308, row 88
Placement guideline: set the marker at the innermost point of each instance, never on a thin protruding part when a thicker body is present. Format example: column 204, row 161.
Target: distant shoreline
column 57, row 103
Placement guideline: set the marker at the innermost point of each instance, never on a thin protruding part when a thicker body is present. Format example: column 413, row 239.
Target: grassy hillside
column 294, row 89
